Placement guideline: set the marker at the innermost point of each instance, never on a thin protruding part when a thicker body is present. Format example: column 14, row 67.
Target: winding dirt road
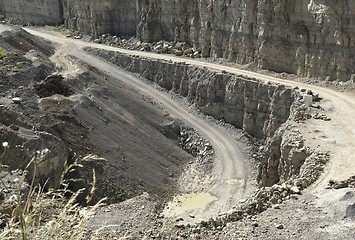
column 227, row 187
column 340, row 138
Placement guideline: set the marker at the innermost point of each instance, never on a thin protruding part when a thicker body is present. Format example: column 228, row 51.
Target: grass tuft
column 18, row 70
column 3, row 53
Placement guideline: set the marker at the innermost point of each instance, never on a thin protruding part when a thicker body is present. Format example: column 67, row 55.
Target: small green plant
column 3, row 53
column 18, row 70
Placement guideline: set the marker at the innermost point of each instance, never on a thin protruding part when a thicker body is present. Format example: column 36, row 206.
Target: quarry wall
column 310, row 38
column 248, row 104
column 260, row 109
column 265, row 111
column 39, row 12
column 95, row 17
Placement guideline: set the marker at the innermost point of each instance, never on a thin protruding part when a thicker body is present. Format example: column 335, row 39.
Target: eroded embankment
column 265, row 111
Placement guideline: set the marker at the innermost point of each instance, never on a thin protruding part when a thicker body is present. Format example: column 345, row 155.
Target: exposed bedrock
column 94, row 17
column 260, row 109
column 255, row 107
column 310, row 38
column 33, row 11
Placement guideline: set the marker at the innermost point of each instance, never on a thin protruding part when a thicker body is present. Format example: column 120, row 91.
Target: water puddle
column 192, row 201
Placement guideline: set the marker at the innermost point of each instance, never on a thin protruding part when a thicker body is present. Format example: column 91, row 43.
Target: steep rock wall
column 95, row 17
column 257, row 108
column 263, row 110
column 311, row 38
column 33, row 11
column 260, row 109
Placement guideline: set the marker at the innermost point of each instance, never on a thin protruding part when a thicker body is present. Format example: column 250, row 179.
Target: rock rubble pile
column 193, row 143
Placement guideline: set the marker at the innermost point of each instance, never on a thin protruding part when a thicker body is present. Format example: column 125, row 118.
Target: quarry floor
column 318, row 213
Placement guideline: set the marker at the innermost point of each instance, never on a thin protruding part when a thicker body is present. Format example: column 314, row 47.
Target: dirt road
column 339, row 133
column 229, row 166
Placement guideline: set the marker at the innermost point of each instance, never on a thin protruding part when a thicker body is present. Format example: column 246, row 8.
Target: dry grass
column 49, row 215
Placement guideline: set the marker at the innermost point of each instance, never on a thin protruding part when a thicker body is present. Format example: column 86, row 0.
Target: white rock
column 16, row 100
column 295, row 189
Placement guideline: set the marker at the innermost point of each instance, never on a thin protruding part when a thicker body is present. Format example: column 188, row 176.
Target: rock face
column 260, row 109
column 95, row 17
column 257, row 108
column 46, row 151
column 310, row 38
column 35, row 11
column 264, row 111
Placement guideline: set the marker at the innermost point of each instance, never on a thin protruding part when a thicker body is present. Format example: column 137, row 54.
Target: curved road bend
column 340, row 129
column 230, row 163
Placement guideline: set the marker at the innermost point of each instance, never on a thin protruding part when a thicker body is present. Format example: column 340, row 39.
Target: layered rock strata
column 39, row 12
column 248, row 104
column 95, row 17
column 259, row 109
column 310, row 38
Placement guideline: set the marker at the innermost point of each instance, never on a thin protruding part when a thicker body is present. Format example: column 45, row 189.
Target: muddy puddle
column 184, row 203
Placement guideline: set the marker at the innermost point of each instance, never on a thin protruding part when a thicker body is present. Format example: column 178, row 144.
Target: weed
column 49, row 215
column 3, row 53
column 18, row 70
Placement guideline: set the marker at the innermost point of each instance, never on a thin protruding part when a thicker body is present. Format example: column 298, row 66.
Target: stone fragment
column 178, row 53
column 308, row 100
column 17, row 100
column 295, row 190
column 279, row 226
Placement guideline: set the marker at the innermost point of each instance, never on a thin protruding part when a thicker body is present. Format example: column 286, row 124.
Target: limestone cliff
column 258, row 108
column 95, row 17
column 33, row 11
column 262, row 110
column 310, row 38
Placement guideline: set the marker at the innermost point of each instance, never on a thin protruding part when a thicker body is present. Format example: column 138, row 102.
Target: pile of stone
column 161, row 47
column 350, row 182
column 266, row 197
column 15, row 21
column 302, row 114
column 115, row 41
column 194, row 144
column 306, row 109
column 312, row 169
column 320, row 116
